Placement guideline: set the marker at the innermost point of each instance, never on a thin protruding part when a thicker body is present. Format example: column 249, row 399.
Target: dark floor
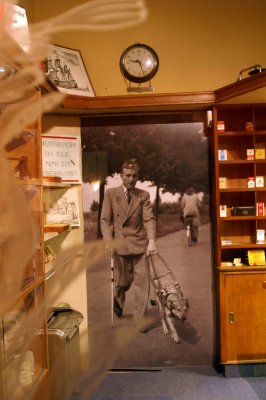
column 197, row 383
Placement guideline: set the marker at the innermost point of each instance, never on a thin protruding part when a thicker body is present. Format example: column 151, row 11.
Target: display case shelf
column 234, row 133
column 241, row 245
column 58, row 228
column 238, row 161
column 233, row 177
column 242, row 268
column 24, row 317
column 55, row 185
column 244, row 218
column 241, row 189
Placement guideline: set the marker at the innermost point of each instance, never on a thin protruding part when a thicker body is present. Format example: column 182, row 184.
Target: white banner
column 61, row 158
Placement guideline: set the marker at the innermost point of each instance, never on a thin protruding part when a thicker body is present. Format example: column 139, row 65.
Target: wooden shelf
column 243, row 246
column 241, row 161
column 234, row 133
column 56, row 228
column 242, row 133
column 51, row 185
column 33, row 182
column 54, row 182
column 243, row 268
column 238, row 189
column 243, row 218
column 191, row 100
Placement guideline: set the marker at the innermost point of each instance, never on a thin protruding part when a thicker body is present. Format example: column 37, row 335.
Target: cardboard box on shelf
column 250, row 154
column 259, row 154
column 249, row 126
column 222, row 154
column 260, row 236
column 245, row 211
column 259, row 181
column 222, row 182
column 220, row 126
column 251, row 182
column 223, row 211
column 260, row 209
column 256, row 257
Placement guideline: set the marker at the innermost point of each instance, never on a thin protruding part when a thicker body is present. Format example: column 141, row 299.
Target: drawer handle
column 264, row 284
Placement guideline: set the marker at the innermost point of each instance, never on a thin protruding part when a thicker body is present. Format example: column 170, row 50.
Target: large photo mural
column 172, row 181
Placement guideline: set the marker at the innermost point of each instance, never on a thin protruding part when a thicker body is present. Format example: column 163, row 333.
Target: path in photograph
column 192, row 267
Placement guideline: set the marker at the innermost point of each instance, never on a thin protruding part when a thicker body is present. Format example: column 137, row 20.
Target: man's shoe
column 117, row 309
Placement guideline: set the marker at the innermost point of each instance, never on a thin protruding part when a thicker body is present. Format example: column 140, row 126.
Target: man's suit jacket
column 133, row 224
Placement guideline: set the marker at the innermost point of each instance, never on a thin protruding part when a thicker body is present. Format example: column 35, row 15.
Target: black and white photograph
column 65, row 69
column 63, row 208
column 165, row 167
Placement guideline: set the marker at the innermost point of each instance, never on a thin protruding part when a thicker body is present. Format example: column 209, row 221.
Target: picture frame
column 66, row 71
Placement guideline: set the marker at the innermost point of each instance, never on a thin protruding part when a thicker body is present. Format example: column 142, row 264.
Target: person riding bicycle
column 190, row 204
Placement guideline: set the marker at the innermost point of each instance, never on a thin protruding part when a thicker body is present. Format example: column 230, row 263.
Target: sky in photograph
column 89, row 195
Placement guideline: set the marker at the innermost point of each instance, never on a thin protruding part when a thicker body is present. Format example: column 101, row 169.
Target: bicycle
column 190, row 229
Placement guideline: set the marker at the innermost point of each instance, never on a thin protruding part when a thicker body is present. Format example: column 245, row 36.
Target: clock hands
column 140, row 64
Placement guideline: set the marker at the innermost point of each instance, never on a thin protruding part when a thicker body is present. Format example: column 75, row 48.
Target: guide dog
column 172, row 307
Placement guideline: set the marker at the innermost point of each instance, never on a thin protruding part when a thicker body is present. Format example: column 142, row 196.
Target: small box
column 259, row 181
column 251, row 182
column 249, row 127
column 226, row 264
column 223, row 211
column 226, row 242
column 260, row 209
column 260, row 154
column 222, row 155
column 256, row 257
column 260, row 236
column 237, row 262
column 250, row 154
column 220, row 126
column 245, row 211
column 222, row 182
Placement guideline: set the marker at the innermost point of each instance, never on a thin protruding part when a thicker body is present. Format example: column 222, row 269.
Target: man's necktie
column 129, row 195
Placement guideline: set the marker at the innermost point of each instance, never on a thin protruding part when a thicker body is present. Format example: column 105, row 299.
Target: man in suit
column 127, row 216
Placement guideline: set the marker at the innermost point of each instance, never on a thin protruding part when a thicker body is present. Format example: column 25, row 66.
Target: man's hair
column 190, row 191
column 131, row 163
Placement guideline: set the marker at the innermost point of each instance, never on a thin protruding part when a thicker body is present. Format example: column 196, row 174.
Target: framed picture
column 66, row 71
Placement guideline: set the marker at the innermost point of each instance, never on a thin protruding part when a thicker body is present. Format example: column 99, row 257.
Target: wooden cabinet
column 239, row 146
column 23, row 323
column 243, row 320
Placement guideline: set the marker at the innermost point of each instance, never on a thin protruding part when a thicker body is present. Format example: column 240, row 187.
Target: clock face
column 139, row 63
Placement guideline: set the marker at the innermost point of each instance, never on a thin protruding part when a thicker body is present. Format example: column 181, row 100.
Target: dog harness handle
column 156, row 277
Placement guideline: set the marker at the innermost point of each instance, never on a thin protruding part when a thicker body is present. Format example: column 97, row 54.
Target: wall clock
column 139, row 63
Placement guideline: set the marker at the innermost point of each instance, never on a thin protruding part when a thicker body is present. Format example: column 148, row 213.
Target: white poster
column 64, row 209
column 61, row 158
